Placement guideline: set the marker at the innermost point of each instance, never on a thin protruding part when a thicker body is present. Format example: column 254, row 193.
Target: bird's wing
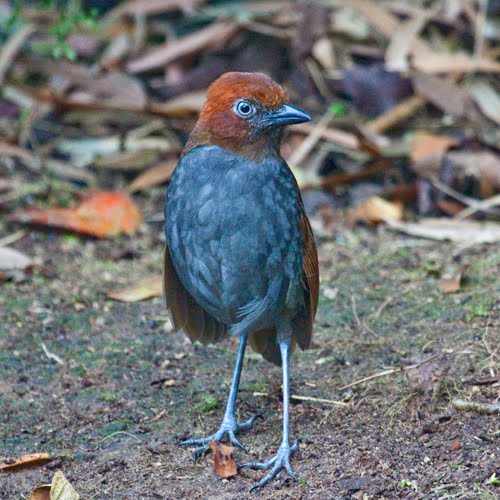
column 186, row 314
column 303, row 323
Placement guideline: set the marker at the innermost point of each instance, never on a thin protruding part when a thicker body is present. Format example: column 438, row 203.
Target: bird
column 240, row 259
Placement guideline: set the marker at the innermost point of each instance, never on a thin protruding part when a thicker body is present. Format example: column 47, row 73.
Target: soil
column 129, row 389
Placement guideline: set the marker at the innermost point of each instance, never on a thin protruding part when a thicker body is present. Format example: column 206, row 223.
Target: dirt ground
column 129, row 390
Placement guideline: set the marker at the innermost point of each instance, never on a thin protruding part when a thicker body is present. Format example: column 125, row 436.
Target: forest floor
column 129, row 389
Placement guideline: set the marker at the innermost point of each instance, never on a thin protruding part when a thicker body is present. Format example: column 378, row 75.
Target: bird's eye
column 244, row 109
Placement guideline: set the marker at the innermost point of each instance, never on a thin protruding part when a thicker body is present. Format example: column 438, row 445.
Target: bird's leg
column 282, row 459
column 229, row 427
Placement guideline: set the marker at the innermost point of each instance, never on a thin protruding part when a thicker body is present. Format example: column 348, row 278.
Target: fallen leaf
column 460, row 231
column 450, row 285
column 455, row 446
column 26, row 461
column 432, row 62
column 486, row 98
column 145, row 289
column 427, row 151
column 100, row 214
column 13, row 259
column 444, row 94
column 213, row 35
column 61, row 488
column 402, row 41
column 41, row 493
column 427, row 145
column 157, row 174
column 376, row 210
column 223, row 461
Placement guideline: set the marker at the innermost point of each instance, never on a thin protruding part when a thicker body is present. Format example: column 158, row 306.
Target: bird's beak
column 287, row 115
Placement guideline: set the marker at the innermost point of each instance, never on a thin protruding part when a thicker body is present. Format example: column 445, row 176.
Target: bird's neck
column 266, row 145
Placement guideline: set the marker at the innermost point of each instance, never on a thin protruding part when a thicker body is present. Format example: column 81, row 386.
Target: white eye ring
column 244, row 109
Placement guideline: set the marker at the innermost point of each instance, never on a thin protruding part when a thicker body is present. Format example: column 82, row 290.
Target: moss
column 207, row 405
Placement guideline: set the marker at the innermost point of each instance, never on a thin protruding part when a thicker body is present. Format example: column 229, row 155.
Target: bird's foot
column 280, row 461
column 229, row 428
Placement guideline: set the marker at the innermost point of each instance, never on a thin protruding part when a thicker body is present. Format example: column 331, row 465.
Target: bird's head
column 245, row 113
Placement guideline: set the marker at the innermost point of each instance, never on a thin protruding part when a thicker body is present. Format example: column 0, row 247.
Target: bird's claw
column 229, row 429
column 276, row 464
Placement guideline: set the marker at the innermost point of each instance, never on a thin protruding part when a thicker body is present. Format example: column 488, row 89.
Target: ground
column 130, row 389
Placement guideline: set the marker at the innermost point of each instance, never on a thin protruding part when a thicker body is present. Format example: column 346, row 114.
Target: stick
column 308, row 398
column 388, row 372
column 484, row 408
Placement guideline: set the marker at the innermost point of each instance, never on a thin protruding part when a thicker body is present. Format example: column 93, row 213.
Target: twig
column 396, row 114
column 331, row 181
column 480, row 205
column 11, row 47
column 311, row 140
column 52, row 355
column 308, row 398
column 11, row 238
column 388, row 372
column 484, row 408
column 358, row 321
column 336, row 136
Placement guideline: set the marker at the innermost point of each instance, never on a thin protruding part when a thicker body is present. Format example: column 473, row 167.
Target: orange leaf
column 41, row 493
column 25, row 461
column 100, row 214
column 376, row 209
column 427, row 145
column 223, row 461
column 451, row 284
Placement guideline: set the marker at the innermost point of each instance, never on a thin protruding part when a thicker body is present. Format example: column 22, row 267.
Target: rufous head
column 245, row 113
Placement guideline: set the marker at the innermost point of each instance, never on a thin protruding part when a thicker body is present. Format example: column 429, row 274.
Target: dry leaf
column 13, row 259
column 444, row 94
column 223, row 461
column 450, row 285
column 402, row 42
column 25, row 461
column 461, row 231
column 157, row 174
column 376, row 210
column 213, row 35
column 486, row 98
column 145, row 289
column 431, row 62
column 150, row 7
column 61, row 488
column 427, row 145
column 41, row 493
column 455, row 446
column 100, row 214
column 427, row 152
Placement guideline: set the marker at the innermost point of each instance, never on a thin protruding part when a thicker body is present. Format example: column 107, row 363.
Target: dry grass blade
column 12, row 46
column 494, row 201
column 214, row 35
